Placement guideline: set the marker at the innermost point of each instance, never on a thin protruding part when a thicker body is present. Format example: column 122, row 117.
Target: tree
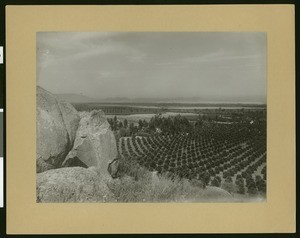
column 125, row 123
column 131, row 128
column 140, row 124
column 228, row 179
column 111, row 123
column 215, row 182
column 122, row 132
column 152, row 126
column 145, row 123
column 252, row 189
column 260, row 184
column 115, row 123
column 240, row 185
column 198, row 123
column 205, row 178
column 228, row 185
column 135, row 129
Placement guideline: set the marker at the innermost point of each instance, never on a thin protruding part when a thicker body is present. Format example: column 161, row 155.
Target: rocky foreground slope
column 73, row 152
column 57, row 123
column 76, row 158
column 74, row 184
column 95, row 144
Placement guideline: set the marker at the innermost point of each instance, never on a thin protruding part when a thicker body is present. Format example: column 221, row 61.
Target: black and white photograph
column 151, row 117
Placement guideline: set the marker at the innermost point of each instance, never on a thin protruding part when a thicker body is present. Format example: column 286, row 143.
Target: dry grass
column 147, row 189
column 136, row 184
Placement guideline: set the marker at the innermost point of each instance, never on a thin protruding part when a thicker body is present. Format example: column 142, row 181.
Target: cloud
column 149, row 64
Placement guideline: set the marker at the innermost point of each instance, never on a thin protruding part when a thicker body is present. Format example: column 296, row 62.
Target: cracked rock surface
column 74, row 184
column 95, row 144
column 57, row 122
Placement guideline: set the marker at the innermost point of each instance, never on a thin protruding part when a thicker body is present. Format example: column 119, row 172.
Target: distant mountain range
column 153, row 100
column 76, row 98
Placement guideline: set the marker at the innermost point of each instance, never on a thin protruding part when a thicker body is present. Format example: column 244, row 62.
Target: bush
column 228, row 179
column 252, row 190
column 197, row 183
column 130, row 167
column 205, row 178
column 147, row 189
column 215, row 182
column 240, row 185
column 228, row 185
column 137, row 184
column 260, row 184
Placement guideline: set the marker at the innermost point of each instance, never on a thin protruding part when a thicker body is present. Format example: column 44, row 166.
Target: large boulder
column 95, row 144
column 74, row 184
column 57, row 123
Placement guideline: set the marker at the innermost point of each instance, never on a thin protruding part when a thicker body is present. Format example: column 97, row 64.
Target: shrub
column 228, row 179
column 252, row 190
column 130, row 167
column 228, row 185
column 260, row 184
column 215, row 182
column 205, row 178
column 197, row 183
column 240, row 185
column 145, row 189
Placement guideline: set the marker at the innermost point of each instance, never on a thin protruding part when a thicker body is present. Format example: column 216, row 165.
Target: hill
column 75, row 98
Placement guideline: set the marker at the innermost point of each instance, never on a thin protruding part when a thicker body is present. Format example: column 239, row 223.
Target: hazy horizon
column 227, row 67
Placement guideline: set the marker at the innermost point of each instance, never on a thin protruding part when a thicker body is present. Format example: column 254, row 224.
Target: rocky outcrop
column 95, row 144
column 212, row 193
column 57, row 123
column 113, row 168
column 74, row 184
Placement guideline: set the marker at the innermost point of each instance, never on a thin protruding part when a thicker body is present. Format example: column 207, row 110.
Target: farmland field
column 176, row 155
column 136, row 117
column 221, row 147
column 224, row 151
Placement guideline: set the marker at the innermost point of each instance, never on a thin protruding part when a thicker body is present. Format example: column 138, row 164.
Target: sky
column 214, row 66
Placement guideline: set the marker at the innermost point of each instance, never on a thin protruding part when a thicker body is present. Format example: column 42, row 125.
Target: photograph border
column 276, row 215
